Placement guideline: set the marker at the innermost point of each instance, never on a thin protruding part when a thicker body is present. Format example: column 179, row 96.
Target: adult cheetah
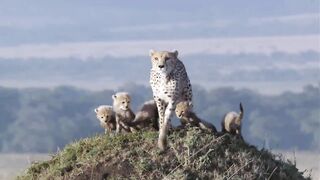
column 170, row 84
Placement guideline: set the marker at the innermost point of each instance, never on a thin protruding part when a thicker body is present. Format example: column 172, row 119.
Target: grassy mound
column 191, row 154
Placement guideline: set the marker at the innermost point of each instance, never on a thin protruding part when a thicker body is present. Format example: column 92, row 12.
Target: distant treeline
column 42, row 120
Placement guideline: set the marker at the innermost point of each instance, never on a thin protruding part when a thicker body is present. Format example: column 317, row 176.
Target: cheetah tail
column 241, row 112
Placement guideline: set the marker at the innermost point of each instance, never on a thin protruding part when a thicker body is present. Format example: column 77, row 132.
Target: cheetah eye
column 123, row 102
column 101, row 117
column 107, row 116
column 156, row 58
column 166, row 58
column 128, row 102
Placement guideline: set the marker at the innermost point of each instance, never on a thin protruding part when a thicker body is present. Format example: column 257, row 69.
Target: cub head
column 163, row 61
column 183, row 108
column 121, row 100
column 104, row 113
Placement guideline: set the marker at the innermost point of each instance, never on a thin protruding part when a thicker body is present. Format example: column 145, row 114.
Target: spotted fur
column 123, row 113
column 106, row 116
column 232, row 122
column 147, row 116
column 170, row 84
column 187, row 116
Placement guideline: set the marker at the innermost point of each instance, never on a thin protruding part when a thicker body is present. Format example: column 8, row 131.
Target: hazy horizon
column 266, row 52
column 270, row 47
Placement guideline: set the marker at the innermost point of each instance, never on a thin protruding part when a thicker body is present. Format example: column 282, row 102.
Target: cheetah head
column 104, row 113
column 121, row 100
column 182, row 109
column 163, row 61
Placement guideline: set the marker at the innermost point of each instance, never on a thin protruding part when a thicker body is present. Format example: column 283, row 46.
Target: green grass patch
column 191, row 154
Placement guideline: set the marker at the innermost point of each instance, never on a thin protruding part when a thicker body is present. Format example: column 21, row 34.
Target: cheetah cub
column 187, row 116
column 231, row 122
column 123, row 112
column 147, row 116
column 170, row 84
column 106, row 117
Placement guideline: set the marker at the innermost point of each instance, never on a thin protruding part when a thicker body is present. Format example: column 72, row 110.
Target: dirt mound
column 191, row 154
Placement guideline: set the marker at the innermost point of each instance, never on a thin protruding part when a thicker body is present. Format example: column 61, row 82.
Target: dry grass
column 192, row 154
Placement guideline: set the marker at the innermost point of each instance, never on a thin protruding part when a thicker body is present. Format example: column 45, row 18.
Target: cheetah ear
column 114, row 97
column 190, row 105
column 175, row 52
column 96, row 110
column 151, row 52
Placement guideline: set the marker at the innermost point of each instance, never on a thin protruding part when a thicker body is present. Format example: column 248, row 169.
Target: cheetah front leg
column 162, row 142
column 117, row 124
column 161, row 105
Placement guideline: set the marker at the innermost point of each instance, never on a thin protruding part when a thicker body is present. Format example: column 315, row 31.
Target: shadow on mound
column 192, row 154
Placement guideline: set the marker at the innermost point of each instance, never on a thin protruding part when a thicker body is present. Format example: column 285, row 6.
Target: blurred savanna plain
column 60, row 59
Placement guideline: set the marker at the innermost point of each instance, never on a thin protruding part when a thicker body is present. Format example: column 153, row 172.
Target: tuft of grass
column 191, row 154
